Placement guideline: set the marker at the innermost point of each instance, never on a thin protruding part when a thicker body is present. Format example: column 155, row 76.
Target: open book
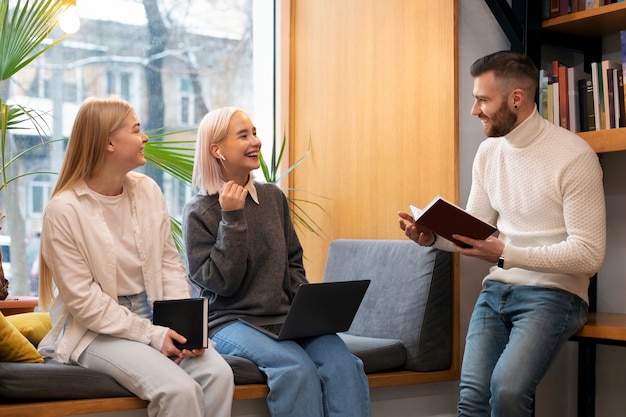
column 445, row 219
column 188, row 316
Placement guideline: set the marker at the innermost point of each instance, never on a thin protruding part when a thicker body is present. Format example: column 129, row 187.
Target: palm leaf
column 299, row 214
column 23, row 31
column 172, row 157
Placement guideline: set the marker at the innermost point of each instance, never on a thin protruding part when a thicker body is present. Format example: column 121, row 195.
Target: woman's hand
column 233, row 196
column 171, row 351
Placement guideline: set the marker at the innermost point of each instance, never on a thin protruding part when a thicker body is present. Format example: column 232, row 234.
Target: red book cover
column 446, row 219
column 563, row 98
column 554, row 8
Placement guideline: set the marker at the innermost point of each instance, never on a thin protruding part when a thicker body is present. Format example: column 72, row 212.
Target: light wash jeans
column 310, row 377
column 201, row 386
column 514, row 335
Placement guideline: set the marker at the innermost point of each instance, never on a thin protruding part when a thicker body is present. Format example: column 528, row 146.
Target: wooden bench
column 422, row 275
column 242, row 392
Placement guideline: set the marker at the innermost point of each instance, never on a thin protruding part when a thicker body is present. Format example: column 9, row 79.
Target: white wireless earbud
column 220, row 154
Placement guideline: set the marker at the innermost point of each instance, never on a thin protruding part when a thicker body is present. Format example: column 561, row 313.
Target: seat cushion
column 52, row 380
column 245, row 371
column 409, row 297
column 377, row 354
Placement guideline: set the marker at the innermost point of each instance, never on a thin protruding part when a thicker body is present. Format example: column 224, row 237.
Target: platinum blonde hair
column 207, row 175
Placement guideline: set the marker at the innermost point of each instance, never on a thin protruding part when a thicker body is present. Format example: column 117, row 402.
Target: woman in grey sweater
column 243, row 253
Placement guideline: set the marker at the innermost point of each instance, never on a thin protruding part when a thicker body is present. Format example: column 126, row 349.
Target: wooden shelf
column 607, row 140
column 596, row 22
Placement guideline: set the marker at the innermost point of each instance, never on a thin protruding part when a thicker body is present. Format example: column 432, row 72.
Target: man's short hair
column 516, row 69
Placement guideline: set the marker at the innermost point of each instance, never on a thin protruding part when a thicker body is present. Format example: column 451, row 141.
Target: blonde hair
column 207, row 176
column 97, row 118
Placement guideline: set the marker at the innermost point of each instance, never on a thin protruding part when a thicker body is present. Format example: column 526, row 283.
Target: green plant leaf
column 300, row 215
column 24, row 29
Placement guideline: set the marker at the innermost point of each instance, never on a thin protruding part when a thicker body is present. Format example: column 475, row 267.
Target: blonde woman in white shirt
column 106, row 247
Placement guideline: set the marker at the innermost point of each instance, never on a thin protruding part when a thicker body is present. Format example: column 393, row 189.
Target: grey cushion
column 52, row 380
column 245, row 371
column 377, row 354
column 409, row 298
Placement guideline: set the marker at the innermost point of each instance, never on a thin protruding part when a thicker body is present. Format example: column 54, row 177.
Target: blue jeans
column 514, row 335
column 201, row 386
column 310, row 377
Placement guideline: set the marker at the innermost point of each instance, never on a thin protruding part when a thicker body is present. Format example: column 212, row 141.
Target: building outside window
column 173, row 64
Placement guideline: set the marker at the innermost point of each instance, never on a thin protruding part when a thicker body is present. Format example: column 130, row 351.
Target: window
column 205, row 54
column 187, row 104
column 39, row 190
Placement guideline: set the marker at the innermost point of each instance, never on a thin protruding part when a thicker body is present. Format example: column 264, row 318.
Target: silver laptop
column 317, row 309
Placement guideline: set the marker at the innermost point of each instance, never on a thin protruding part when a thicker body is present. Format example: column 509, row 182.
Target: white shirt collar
column 252, row 190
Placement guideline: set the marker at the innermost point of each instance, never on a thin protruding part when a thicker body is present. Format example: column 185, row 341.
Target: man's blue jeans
column 310, row 377
column 514, row 335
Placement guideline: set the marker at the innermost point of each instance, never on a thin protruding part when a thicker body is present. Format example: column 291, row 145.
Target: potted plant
column 22, row 33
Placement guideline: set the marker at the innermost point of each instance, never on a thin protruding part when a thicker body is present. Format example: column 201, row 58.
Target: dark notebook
column 316, row 309
column 445, row 219
column 188, row 316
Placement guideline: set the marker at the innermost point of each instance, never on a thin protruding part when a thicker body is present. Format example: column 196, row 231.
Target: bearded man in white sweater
column 541, row 185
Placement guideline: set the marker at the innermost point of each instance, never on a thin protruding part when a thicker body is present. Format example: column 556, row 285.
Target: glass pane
column 173, row 64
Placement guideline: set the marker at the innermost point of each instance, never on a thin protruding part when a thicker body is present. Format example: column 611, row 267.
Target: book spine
column 610, row 98
column 622, row 36
column 598, row 94
column 554, row 8
column 550, row 104
column 620, row 108
column 543, row 94
column 563, row 98
column 587, row 106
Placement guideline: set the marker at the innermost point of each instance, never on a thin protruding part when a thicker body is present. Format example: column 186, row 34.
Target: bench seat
column 402, row 332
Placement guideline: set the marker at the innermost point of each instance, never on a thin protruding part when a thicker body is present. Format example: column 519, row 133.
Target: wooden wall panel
column 374, row 86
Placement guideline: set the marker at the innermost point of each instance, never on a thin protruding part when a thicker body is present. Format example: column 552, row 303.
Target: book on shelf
column 574, row 76
column 622, row 37
column 598, row 95
column 543, row 94
column 563, row 120
column 620, row 105
column 550, row 103
column 446, row 219
column 188, row 317
column 587, row 115
column 594, row 3
column 610, row 98
column 556, row 105
column 555, row 6
column 608, row 92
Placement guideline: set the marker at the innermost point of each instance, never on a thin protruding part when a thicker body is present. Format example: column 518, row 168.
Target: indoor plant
column 23, row 30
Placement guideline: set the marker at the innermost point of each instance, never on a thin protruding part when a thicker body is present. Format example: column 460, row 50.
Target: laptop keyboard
column 273, row 328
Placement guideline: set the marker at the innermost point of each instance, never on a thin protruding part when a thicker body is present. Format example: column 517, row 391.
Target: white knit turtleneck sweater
column 541, row 185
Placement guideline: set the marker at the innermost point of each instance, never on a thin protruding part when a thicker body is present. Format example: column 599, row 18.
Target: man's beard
column 501, row 123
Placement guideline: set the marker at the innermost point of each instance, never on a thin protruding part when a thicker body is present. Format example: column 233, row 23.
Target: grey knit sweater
column 247, row 262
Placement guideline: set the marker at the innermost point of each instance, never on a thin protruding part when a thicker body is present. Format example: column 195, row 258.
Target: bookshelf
column 597, row 22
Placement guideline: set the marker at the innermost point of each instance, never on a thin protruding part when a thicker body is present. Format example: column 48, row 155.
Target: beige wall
column 374, row 92
column 374, row 86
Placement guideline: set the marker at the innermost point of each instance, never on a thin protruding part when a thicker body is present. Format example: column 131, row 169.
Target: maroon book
column 446, row 219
